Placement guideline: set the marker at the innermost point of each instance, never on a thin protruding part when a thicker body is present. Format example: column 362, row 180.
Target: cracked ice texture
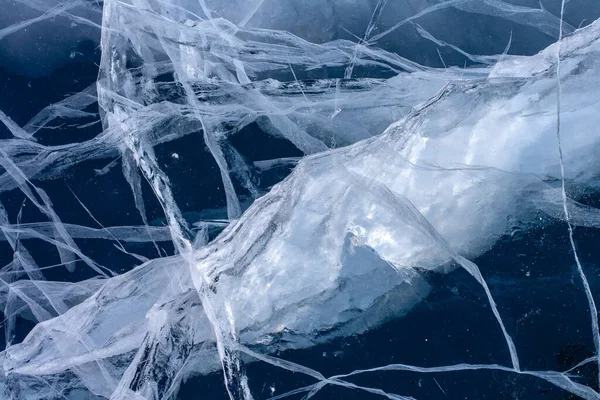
column 410, row 173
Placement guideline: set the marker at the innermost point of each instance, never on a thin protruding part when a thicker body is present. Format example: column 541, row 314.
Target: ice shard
column 245, row 182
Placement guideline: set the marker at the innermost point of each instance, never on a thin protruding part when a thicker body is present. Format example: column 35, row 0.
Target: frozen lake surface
column 296, row 199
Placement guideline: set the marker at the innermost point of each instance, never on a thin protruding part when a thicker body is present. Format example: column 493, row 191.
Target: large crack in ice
column 586, row 285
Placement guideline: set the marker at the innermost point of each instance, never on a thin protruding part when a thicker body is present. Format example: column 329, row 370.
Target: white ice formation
column 412, row 172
